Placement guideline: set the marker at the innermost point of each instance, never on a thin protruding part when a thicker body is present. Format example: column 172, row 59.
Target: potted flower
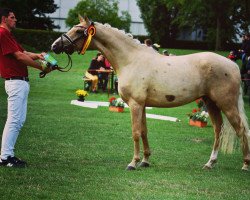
column 81, row 94
column 199, row 117
column 116, row 105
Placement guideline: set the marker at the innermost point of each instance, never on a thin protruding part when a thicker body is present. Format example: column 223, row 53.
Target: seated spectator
column 96, row 64
column 104, row 76
column 107, row 64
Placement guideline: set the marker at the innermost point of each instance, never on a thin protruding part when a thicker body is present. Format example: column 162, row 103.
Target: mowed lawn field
column 82, row 153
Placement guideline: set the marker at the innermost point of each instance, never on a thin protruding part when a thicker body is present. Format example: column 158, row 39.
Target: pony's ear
column 80, row 18
column 86, row 19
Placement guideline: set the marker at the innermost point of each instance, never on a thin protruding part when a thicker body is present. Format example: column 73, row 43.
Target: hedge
column 38, row 39
column 190, row 44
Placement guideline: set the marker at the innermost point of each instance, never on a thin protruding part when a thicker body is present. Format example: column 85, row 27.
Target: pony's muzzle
column 55, row 48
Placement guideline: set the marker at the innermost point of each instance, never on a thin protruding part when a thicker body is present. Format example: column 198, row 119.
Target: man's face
column 10, row 21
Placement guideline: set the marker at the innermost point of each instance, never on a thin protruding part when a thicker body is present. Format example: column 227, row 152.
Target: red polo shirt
column 9, row 66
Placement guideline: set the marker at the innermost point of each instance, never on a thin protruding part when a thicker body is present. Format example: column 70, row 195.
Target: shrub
column 38, row 39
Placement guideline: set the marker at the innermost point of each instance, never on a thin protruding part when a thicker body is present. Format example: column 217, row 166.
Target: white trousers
column 17, row 91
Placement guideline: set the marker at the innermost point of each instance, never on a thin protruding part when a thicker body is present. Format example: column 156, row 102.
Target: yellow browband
column 91, row 32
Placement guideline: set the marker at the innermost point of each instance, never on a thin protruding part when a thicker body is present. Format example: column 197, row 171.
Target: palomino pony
column 147, row 78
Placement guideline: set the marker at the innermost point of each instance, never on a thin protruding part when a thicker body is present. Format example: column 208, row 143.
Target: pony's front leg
column 216, row 119
column 136, row 119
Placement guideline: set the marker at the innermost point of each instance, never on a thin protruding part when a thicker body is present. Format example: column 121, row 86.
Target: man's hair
column 4, row 12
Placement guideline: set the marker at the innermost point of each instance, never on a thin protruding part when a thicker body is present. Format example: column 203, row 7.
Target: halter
column 87, row 35
column 56, row 67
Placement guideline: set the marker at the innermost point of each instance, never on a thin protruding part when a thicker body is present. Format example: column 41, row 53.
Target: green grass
column 81, row 153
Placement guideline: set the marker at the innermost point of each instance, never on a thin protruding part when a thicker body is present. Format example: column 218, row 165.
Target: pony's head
column 76, row 39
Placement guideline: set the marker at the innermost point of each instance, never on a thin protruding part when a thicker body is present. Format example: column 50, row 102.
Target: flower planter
column 116, row 109
column 81, row 98
column 197, row 123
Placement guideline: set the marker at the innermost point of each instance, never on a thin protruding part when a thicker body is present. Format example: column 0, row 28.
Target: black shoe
column 13, row 162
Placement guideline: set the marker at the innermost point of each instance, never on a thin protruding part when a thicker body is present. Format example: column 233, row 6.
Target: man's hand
column 47, row 68
column 35, row 56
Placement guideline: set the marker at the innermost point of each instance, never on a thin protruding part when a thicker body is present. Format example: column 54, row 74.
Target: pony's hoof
column 244, row 168
column 207, row 167
column 144, row 164
column 130, row 168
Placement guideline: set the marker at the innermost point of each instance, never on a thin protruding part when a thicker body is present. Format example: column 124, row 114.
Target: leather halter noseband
column 87, row 36
column 87, row 33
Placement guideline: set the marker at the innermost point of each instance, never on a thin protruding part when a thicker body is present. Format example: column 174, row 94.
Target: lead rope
column 91, row 32
column 61, row 69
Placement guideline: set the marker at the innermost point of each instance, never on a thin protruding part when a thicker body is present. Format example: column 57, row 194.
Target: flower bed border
column 116, row 109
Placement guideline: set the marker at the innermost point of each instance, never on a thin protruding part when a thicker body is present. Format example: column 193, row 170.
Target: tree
column 158, row 19
column 103, row 11
column 31, row 13
column 241, row 15
column 211, row 16
column 220, row 19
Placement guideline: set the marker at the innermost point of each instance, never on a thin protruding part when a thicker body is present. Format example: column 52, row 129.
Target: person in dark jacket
column 94, row 73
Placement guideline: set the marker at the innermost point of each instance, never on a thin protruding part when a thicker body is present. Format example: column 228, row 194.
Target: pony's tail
column 228, row 134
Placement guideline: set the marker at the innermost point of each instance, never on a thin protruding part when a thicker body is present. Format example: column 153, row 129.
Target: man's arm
column 34, row 56
column 27, row 59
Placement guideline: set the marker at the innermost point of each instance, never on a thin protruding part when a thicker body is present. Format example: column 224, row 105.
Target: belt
column 18, row 78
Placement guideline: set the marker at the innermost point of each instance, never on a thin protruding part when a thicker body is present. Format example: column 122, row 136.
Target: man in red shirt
column 13, row 68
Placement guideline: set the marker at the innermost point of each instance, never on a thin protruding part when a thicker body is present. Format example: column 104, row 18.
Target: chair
column 87, row 83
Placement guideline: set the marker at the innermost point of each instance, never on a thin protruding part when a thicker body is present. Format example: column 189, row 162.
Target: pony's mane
column 128, row 35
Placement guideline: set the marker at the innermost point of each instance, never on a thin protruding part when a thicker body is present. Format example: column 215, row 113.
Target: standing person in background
column 13, row 68
column 246, row 49
column 165, row 52
column 246, row 45
column 156, row 47
column 148, row 43
column 232, row 56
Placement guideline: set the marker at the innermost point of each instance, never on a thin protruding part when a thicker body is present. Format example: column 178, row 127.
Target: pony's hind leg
column 216, row 119
column 146, row 149
column 236, row 119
